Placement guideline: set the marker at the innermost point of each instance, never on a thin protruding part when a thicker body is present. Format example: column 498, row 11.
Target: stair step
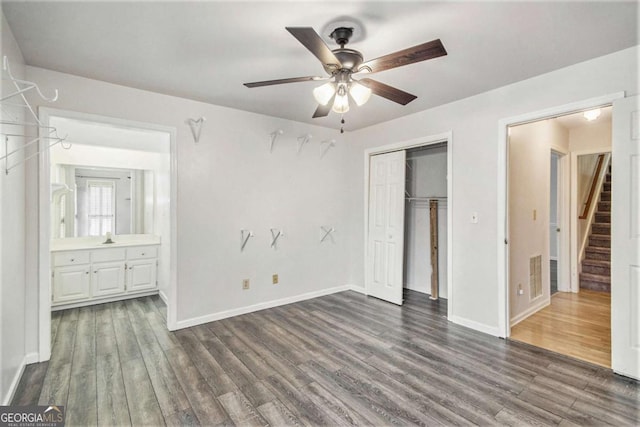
column 604, row 206
column 606, row 186
column 603, row 217
column 600, row 240
column 605, row 196
column 598, row 267
column 595, row 282
column 596, row 253
column 601, row 228
column 608, row 177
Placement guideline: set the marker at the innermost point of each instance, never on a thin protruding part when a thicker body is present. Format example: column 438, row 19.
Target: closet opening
column 408, row 188
column 425, row 259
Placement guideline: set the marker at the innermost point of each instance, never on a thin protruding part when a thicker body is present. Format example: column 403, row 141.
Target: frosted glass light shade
column 341, row 104
column 359, row 93
column 323, row 93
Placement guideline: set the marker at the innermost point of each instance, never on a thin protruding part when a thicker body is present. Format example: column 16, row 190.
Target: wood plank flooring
column 575, row 324
column 342, row 359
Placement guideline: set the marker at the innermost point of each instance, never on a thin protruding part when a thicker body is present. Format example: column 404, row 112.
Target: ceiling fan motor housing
column 342, row 35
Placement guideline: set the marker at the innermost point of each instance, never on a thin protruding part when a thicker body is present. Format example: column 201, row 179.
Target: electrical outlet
column 245, row 284
column 274, row 279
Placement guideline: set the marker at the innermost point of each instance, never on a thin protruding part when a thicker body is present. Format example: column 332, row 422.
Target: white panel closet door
column 386, row 227
column 625, row 238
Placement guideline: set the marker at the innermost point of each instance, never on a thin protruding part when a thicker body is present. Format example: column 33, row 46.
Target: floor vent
column 535, row 276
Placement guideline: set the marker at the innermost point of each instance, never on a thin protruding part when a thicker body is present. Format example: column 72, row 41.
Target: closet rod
column 96, row 177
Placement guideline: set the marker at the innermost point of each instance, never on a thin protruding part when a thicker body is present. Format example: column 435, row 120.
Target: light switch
column 535, row 214
column 474, row 217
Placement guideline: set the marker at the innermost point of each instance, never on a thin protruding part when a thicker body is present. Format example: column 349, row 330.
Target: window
column 101, row 197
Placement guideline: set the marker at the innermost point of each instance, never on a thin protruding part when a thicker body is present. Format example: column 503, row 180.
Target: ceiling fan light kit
column 324, row 93
column 341, row 100
column 343, row 63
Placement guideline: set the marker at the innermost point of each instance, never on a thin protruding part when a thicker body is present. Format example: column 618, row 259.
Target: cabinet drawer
column 142, row 252
column 61, row 259
column 107, row 255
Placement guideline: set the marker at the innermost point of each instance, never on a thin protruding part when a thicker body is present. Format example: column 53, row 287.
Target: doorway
column 568, row 318
column 100, row 152
column 377, row 267
column 425, row 259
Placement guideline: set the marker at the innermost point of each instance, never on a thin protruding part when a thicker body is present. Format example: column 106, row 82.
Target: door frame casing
column 504, row 327
column 446, row 137
column 563, row 218
column 44, row 220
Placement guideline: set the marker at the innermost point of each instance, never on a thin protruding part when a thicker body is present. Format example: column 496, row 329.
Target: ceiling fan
column 343, row 64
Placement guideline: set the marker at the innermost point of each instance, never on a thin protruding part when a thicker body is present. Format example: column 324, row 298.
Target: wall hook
column 28, row 85
column 330, row 143
column 245, row 235
column 275, row 235
column 326, row 232
column 303, row 139
column 273, row 136
column 196, row 127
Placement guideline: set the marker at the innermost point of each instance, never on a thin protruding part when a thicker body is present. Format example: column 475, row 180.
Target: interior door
column 385, row 238
column 625, row 238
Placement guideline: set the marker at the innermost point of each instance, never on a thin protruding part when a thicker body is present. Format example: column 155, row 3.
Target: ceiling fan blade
column 389, row 92
column 323, row 110
column 421, row 52
column 312, row 41
column 282, row 81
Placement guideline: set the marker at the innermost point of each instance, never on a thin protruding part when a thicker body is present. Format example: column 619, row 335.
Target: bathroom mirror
column 91, row 201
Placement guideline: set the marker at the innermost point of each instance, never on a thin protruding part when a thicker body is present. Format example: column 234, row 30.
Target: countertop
column 80, row 243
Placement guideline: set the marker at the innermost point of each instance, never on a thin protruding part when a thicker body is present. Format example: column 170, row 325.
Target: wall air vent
column 535, row 276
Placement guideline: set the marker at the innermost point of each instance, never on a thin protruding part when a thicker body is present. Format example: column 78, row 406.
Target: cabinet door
column 107, row 278
column 70, row 283
column 141, row 275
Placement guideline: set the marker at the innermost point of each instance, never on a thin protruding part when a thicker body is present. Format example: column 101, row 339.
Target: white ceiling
column 206, row 50
column 577, row 120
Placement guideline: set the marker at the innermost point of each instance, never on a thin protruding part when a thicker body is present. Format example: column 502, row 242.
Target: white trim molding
column 472, row 324
column 13, row 387
column 531, row 310
column 194, row 321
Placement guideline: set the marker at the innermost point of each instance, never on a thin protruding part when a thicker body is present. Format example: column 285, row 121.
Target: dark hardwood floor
column 342, row 359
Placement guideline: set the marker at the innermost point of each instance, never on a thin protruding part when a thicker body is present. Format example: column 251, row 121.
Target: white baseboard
column 531, row 310
column 187, row 323
column 103, row 300
column 472, row 324
column 164, row 298
column 28, row 359
column 31, row 358
column 359, row 289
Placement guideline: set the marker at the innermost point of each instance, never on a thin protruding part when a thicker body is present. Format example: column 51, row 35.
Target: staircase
column 596, row 266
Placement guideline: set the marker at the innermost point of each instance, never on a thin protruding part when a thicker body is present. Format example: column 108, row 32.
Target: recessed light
column 591, row 115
